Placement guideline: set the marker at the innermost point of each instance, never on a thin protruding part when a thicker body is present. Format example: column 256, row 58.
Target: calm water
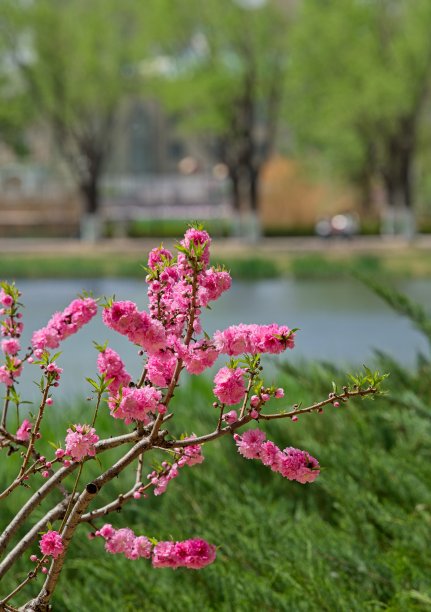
column 339, row 321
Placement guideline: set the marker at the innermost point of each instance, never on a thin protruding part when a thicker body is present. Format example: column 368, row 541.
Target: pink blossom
column 11, row 346
column 190, row 455
column 279, row 393
column 6, row 299
column 199, row 356
column 230, row 417
column 250, row 443
column 110, row 363
column 23, row 432
column 269, row 454
column 194, row 237
column 121, row 541
column 253, row 339
column 6, row 376
column 161, row 367
column 142, row 547
column 139, row 327
column 80, row 441
column 64, row 324
column 193, row 554
column 107, row 531
column 51, row 544
column 254, row 401
column 136, row 404
column 198, row 553
column 298, row 465
column 229, row 385
column 212, row 284
column 157, row 255
column 236, row 339
column 164, row 555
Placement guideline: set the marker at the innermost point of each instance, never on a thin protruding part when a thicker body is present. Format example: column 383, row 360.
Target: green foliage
column 342, row 47
column 354, row 540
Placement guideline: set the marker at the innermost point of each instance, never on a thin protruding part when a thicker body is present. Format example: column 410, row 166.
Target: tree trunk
column 91, row 225
column 398, row 181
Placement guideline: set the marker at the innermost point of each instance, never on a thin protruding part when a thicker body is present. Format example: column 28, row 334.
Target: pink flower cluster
column 193, row 554
column 11, row 330
column 80, row 441
column 229, row 385
column 191, row 455
column 126, row 542
column 139, row 327
column 136, row 404
column 64, row 324
column 292, row 463
column 197, row 357
column 51, row 544
column 170, row 292
column 110, row 363
column 161, row 367
column 238, row 339
column 11, row 346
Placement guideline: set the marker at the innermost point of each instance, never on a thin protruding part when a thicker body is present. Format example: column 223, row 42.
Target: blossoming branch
column 169, row 340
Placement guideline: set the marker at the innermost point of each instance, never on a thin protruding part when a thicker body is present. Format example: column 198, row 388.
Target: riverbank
column 269, row 258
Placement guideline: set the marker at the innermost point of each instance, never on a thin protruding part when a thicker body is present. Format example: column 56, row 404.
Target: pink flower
column 296, row 464
column 80, row 442
column 110, row 363
column 193, row 554
column 161, row 367
column 230, row 417
column 269, row 454
column 23, row 432
column 194, row 237
column 250, row 443
column 136, row 404
column 164, row 555
column 199, row 356
column 279, row 393
column 51, row 544
column 107, row 531
column 64, row 324
column 229, row 385
column 158, row 255
column 11, row 346
column 6, row 299
column 139, row 327
column 142, row 547
column 122, row 541
column 198, row 553
column 6, row 376
column 253, row 339
column 212, row 284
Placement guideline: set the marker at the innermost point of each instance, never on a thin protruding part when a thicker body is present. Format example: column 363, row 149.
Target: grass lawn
column 357, row 539
column 246, row 265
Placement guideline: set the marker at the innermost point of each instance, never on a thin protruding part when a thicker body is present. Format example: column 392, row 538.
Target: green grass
column 357, row 539
column 247, row 266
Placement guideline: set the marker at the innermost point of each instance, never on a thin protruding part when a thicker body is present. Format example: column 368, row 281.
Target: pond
column 339, row 321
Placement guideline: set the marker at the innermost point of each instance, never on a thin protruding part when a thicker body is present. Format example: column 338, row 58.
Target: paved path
column 231, row 246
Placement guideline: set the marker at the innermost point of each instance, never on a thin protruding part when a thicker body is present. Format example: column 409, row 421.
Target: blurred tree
column 358, row 82
column 78, row 66
column 227, row 83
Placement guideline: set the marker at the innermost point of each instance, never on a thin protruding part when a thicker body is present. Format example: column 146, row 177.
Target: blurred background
column 263, row 117
column 299, row 133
